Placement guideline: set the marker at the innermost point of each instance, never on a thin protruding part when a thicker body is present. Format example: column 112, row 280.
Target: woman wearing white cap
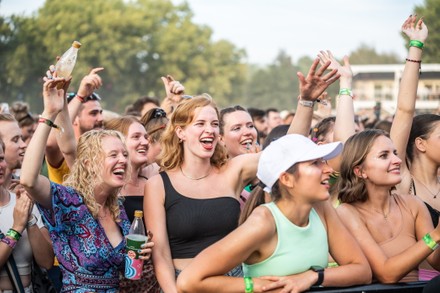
column 288, row 239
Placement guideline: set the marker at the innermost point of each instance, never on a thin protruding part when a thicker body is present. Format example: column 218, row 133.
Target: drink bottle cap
column 138, row 214
column 76, row 44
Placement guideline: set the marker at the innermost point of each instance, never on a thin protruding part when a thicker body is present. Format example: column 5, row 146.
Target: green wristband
column 13, row 234
column 430, row 242
column 248, row 285
column 346, row 92
column 415, row 43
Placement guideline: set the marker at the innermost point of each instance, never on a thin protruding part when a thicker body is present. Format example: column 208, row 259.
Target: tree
column 430, row 12
column 365, row 54
column 274, row 86
column 136, row 42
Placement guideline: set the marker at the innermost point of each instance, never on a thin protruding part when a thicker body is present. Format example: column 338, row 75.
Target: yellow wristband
column 430, row 242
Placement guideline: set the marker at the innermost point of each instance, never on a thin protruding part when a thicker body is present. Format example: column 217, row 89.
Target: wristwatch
column 306, row 103
column 320, row 271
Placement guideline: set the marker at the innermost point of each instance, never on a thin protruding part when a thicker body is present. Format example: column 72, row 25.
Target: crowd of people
column 234, row 200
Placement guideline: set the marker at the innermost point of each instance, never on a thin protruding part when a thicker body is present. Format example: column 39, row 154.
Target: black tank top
column 194, row 224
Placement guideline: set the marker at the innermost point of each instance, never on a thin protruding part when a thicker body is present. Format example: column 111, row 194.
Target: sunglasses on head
column 159, row 113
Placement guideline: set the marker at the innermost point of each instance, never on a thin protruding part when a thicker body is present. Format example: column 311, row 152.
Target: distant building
column 380, row 83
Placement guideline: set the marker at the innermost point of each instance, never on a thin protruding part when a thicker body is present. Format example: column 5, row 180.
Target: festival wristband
column 13, row 234
column 345, row 91
column 32, row 221
column 430, row 242
column 248, row 285
column 415, row 43
column 9, row 242
column 49, row 123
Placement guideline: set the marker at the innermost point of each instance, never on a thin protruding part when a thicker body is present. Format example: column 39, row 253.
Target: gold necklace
column 199, row 178
column 432, row 193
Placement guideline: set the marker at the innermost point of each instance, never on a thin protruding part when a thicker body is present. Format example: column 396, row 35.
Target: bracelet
column 346, row 92
column 306, row 103
column 13, row 234
column 49, row 123
column 80, row 98
column 415, row 43
column 430, row 242
column 416, row 61
column 32, row 222
column 9, row 242
column 248, row 285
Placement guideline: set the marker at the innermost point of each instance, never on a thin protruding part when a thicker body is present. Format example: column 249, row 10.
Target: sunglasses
column 159, row 113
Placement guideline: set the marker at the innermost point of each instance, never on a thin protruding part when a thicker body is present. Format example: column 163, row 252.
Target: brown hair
column 155, row 120
column 21, row 113
column 352, row 188
column 121, row 124
column 171, row 155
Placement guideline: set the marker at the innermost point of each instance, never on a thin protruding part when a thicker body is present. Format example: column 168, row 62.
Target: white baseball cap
column 288, row 150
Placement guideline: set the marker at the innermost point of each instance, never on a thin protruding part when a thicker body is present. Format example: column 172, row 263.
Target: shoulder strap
column 11, row 269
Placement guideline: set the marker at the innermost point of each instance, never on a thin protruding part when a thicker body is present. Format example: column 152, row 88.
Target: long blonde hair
column 171, row 155
column 85, row 173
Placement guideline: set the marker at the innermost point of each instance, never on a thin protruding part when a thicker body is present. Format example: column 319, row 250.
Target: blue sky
column 264, row 27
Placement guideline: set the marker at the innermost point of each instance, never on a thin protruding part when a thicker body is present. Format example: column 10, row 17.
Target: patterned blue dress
column 87, row 259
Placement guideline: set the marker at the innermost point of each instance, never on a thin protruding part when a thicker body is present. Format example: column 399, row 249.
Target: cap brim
column 326, row 151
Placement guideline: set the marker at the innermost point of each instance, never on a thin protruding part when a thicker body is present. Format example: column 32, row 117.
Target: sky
column 264, row 27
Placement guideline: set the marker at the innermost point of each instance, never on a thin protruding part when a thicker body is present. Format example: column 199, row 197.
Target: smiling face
column 312, row 180
column 200, row 136
column 114, row 164
column 137, row 144
column 239, row 133
column 15, row 147
column 382, row 165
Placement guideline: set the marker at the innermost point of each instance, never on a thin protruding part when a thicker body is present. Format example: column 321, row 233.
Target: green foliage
column 365, row 54
column 136, row 42
column 274, row 86
column 430, row 12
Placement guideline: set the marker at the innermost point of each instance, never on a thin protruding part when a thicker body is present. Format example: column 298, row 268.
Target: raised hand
column 53, row 97
column 90, row 83
column 316, row 82
column 343, row 70
column 173, row 88
column 415, row 30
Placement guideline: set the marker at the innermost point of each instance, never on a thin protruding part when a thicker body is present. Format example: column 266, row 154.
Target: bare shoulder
column 349, row 214
column 261, row 221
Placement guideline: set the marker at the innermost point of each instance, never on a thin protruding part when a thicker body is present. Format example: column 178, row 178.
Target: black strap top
column 194, row 224
column 433, row 212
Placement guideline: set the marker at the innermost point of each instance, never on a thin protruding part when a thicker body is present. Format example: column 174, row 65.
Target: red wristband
column 81, row 99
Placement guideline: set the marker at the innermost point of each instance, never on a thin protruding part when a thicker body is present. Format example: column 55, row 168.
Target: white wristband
column 32, row 221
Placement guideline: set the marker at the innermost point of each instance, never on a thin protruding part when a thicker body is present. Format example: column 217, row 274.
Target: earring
column 180, row 140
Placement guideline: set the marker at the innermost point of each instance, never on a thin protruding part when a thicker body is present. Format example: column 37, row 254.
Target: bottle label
column 133, row 265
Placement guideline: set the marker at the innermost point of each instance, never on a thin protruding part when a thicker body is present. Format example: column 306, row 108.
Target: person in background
column 260, row 122
column 273, row 119
column 284, row 244
column 25, row 119
column 142, row 106
column 155, row 121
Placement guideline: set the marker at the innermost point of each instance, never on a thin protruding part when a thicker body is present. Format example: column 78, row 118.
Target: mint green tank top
column 298, row 248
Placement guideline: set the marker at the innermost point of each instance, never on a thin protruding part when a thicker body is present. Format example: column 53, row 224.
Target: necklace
column 192, row 178
column 432, row 193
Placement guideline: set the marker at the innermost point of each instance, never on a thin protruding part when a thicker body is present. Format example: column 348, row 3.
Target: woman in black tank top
column 194, row 203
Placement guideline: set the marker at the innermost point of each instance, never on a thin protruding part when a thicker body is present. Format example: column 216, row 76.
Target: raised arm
column 174, row 91
column 344, row 124
column 311, row 88
column 38, row 186
column 63, row 147
column 417, row 32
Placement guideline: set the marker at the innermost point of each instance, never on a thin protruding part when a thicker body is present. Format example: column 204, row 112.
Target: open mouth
column 247, row 143
column 207, row 142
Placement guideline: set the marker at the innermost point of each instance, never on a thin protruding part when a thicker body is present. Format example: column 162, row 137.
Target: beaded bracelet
column 416, row 61
column 415, row 43
column 49, row 123
column 430, row 242
column 13, row 234
column 9, row 242
column 248, row 285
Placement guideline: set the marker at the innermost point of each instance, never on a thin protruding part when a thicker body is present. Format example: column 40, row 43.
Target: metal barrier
column 413, row 287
